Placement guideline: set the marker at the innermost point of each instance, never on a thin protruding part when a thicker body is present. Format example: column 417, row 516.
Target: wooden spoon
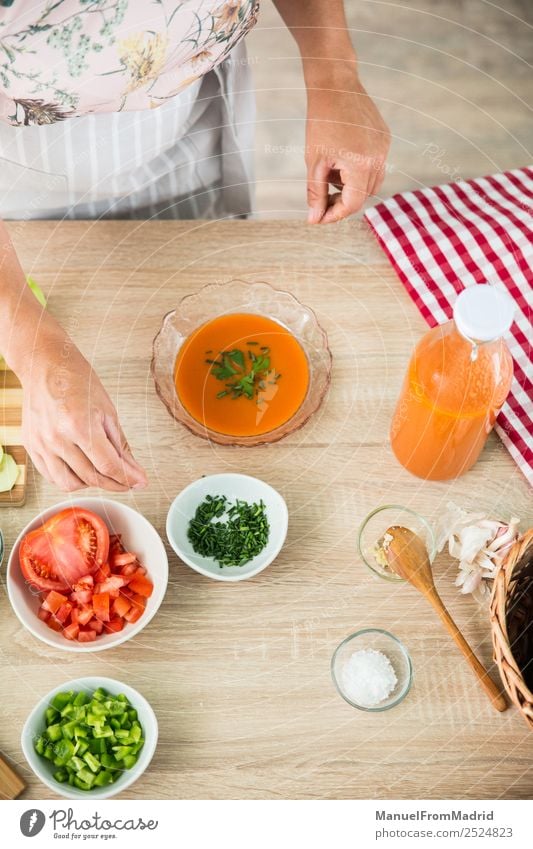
column 407, row 556
column 11, row 785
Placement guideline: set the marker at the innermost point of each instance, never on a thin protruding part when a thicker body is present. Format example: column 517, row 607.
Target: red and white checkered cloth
column 442, row 239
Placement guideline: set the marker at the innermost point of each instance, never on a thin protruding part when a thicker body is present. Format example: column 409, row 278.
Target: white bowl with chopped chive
column 228, row 527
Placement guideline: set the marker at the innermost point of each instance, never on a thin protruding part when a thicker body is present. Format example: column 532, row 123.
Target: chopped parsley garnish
column 244, row 373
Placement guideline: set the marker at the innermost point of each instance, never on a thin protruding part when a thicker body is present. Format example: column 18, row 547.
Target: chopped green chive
column 235, row 541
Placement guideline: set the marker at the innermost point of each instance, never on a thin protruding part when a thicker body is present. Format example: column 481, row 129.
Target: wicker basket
column 512, row 624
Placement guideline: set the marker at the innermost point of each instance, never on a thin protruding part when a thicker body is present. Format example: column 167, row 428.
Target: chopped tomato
column 103, row 594
column 71, row 631
column 123, row 558
column 138, row 600
column 114, row 625
column 54, row 601
column 102, row 573
column 84, row 583
column 113, row 585
column 133, row 614
column 70, row 545
column 81, row 596
column 85, row 614
column 121, row 605
column 87, row 636
column 101, row 606
column 54, row 623
column 142, row 586
column 64, row 612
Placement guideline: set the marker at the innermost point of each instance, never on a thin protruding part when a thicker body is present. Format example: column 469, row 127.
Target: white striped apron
column 190, row 158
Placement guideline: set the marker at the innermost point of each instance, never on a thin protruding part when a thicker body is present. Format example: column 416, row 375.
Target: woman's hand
column 347, row 142
column 70, row 426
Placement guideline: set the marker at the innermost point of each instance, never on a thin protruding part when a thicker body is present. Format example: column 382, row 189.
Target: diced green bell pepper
column 75, row 763
column 86, row 776
column 63, row 751
column 54, row 732
column 61, row 699
column 100, row 695
column 103, row 731
column 103, row 778
column 91, row 739
column 92, row 762
column 67, row 729
column 40, row 745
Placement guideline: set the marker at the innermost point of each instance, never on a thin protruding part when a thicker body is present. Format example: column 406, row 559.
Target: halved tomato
column 70, row 545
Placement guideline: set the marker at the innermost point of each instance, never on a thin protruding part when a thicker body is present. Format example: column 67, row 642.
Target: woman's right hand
column 70, row 426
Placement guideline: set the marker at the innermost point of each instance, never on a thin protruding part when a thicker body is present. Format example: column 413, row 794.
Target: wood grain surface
column 239, row 675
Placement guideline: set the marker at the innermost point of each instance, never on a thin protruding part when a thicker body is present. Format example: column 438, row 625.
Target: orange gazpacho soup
column 241, row 374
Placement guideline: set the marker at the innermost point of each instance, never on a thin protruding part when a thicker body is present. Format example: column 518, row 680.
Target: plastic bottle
column 458, row 378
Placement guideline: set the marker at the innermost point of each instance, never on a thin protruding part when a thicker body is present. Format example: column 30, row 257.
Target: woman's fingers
column 345, row 203
column 80, row 464
column 118, row 439
column 377, row 180
column 317, row 190
column 354, row 188
column 62, row 475
column 40, row 464
column 105, row 458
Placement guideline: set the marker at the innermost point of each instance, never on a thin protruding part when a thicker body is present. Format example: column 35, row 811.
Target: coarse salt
column 368, row 677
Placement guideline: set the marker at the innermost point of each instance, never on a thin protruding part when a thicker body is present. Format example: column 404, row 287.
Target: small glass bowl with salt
column 372, row 670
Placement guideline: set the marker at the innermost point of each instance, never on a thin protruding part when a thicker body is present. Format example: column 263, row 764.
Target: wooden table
column 239, row 675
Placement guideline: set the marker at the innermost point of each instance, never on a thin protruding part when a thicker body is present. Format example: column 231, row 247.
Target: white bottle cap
column 482, row 312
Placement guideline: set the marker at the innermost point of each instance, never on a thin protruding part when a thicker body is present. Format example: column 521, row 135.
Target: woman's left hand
column 347, row 142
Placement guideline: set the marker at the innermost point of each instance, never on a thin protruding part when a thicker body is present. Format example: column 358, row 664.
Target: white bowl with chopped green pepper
column 90, row 738
column 228, row 527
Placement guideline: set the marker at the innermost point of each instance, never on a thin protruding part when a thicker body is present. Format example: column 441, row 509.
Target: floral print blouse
column 64, row 58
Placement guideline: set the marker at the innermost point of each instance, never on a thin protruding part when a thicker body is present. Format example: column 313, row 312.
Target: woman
column 141, row 108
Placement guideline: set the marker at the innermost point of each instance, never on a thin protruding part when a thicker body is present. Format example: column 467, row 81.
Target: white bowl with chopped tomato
column 87, row 574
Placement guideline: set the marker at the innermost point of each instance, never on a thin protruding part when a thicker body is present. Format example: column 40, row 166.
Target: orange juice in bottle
column 458, row 378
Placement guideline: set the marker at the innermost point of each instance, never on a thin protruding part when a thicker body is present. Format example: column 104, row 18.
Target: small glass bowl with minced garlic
column 372, row 537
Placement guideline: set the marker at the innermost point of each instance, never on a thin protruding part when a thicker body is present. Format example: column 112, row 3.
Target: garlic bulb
column 478, row 543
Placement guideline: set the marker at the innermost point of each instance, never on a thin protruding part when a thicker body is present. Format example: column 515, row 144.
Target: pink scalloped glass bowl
column 256, row 298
